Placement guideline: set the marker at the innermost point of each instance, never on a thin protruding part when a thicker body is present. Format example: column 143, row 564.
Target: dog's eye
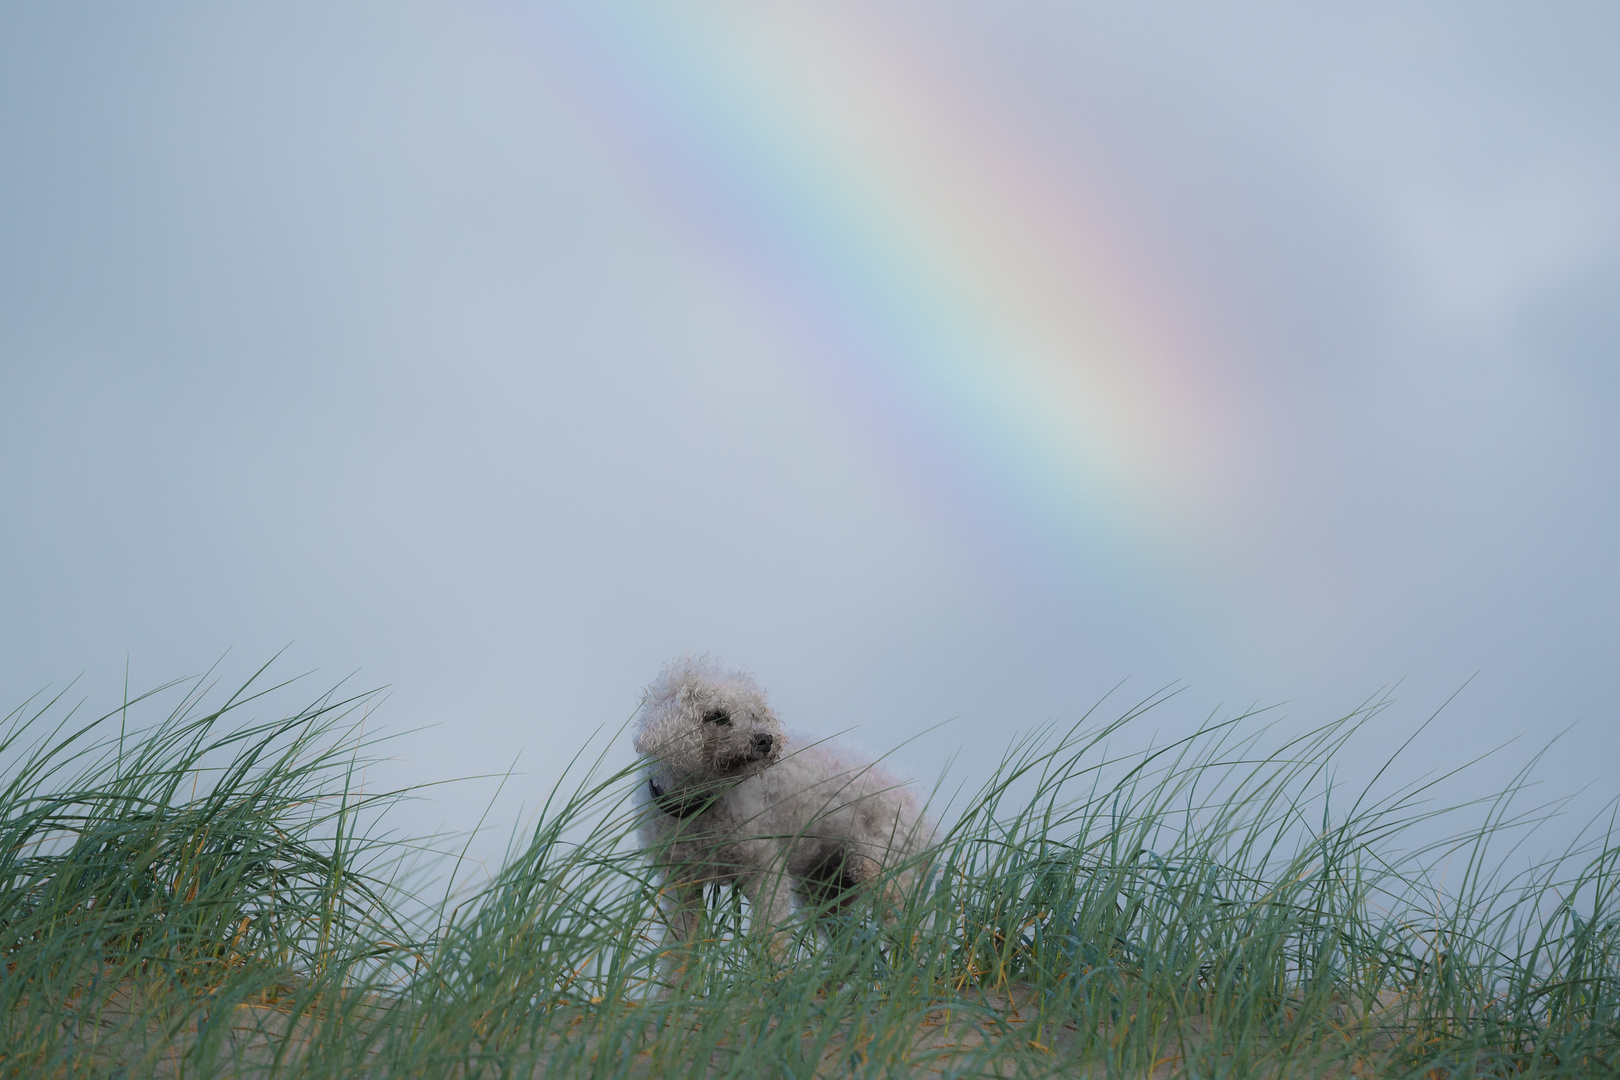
column 717, row 716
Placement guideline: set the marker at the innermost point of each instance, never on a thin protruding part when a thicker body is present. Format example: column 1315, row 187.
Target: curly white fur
column 731, row 798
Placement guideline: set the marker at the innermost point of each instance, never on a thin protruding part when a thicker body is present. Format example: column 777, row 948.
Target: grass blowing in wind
column 200, row 893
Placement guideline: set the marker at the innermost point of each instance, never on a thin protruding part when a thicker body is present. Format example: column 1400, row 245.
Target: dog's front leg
column 770, row 898
column 683, row 914
column 686, row 911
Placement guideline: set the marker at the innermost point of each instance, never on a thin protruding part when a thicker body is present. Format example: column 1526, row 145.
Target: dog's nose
column 652, row 785
column 763, row 742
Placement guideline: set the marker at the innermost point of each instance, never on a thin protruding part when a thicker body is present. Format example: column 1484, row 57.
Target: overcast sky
column 403, row 333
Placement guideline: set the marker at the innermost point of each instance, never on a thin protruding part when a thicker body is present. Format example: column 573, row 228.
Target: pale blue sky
column 334, row 326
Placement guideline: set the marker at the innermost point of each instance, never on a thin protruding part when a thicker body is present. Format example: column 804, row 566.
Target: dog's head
column 702, row 729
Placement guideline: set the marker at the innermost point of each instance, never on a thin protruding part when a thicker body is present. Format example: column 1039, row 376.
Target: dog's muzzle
column 757, row 749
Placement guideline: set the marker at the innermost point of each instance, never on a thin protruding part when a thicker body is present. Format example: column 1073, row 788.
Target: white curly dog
column 730, row 798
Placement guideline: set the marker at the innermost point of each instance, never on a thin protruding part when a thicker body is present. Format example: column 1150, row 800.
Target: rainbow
column 960, row 295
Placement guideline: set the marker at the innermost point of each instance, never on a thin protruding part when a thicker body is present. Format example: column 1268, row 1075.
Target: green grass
column 207, row 895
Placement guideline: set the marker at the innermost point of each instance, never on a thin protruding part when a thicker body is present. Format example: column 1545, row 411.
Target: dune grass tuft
column 209, row 895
